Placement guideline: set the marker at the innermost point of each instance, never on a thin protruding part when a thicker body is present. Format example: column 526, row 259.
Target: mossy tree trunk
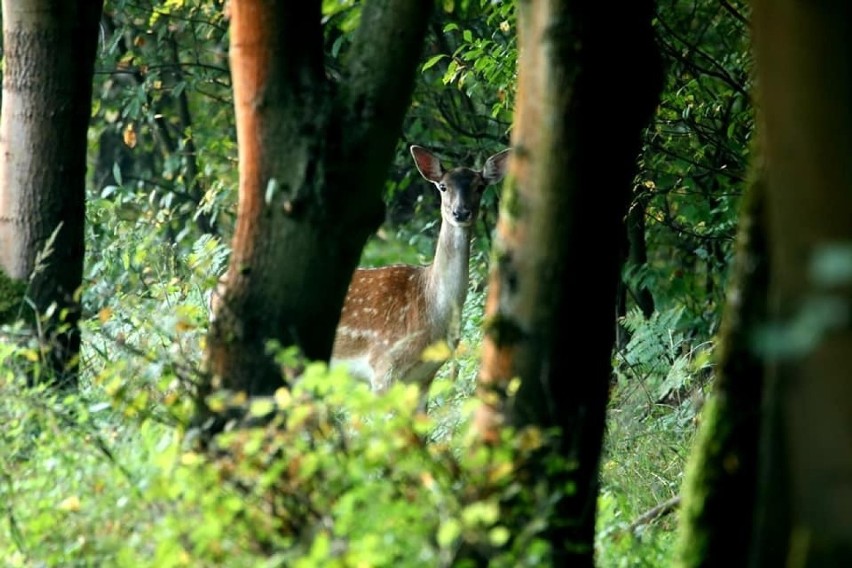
column 773, row 489
column 313, row 157
column 560, row 240
column 804, row 72
column 49, row 52
column 719, row 494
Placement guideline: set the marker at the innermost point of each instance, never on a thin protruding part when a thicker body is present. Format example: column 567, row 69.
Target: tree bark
column 637, row 251
column 560, row 240
column 804, row 70
column 637, row 256
column 49, row 51
column 313, row 156
column 719, row 494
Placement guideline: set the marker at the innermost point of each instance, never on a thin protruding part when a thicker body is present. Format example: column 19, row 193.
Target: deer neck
column 448, row 276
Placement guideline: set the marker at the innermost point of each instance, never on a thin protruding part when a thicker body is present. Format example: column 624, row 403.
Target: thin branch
column 651, row 515
column 192, row 178
column 725, row 172
column 735, row 13
column 719, row 72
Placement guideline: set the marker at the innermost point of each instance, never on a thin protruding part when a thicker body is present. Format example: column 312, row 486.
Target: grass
column 107, row 477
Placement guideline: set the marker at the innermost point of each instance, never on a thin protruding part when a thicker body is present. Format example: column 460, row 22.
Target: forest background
column 111, row 473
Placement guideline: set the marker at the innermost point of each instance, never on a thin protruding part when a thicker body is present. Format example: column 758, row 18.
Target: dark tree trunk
column 49, row 52
column 637, row 257
column 721, row 483
column 637, row 252
column 313, row 156
column 194, row 189
column 772, row 489
column 560, row 240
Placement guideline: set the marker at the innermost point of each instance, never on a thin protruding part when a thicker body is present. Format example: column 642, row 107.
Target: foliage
column 11, row 296
column 660, row 378
column 330, row 483
column 337, row 476
column 694, row 159
column 163, row 125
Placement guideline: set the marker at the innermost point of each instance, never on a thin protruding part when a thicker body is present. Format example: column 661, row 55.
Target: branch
column 735, row 13
column 654, row 513
column 380, row 76
column 734, row 176
column 192, row 179
column 720, row 72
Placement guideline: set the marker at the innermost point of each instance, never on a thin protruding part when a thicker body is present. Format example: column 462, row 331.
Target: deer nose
column 461, row 214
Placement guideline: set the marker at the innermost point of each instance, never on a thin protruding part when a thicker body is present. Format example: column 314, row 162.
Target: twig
column 654, row 513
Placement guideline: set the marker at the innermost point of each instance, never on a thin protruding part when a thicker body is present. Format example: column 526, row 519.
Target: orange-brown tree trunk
column 49, row 52
column 313, row 156
column 552, row 290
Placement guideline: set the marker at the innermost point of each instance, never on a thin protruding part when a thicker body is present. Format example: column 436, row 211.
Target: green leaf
column 499, row 536
column 448, row 532
column 432, row 61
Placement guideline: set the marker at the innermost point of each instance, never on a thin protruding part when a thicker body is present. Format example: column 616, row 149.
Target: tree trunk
column 560, row 240
column 313, row 156
column 804, row 64
column 721, row 482
column 637, row 251
column 49, row 51
column 637, row 256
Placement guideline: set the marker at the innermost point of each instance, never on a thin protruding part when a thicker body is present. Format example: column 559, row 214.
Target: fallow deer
column 392, row 314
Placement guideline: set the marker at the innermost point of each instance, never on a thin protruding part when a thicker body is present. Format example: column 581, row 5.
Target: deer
column 393, row 313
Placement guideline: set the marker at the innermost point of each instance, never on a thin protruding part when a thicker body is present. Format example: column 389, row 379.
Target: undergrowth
column 333, row 475
column 658, row 388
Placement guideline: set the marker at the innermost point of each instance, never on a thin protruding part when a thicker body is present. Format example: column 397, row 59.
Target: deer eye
column 442, row 187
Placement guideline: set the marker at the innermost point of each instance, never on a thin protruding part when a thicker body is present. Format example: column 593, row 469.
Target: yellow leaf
column 530, row 439
column 500, row 471
column 261, row 407
column 427, row 480
column 283, row 398
column 105, row 315
column 70, row 504
column 437, row 352
column 483, row 513
column 499, row 535
column 216, row 404
column 130, row 136
column 190, row 458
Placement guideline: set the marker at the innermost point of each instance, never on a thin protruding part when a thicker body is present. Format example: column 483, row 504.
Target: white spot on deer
column 358, row 367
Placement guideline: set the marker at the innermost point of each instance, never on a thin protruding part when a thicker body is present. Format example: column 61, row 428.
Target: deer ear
column 427, row 164
column 495, row 166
